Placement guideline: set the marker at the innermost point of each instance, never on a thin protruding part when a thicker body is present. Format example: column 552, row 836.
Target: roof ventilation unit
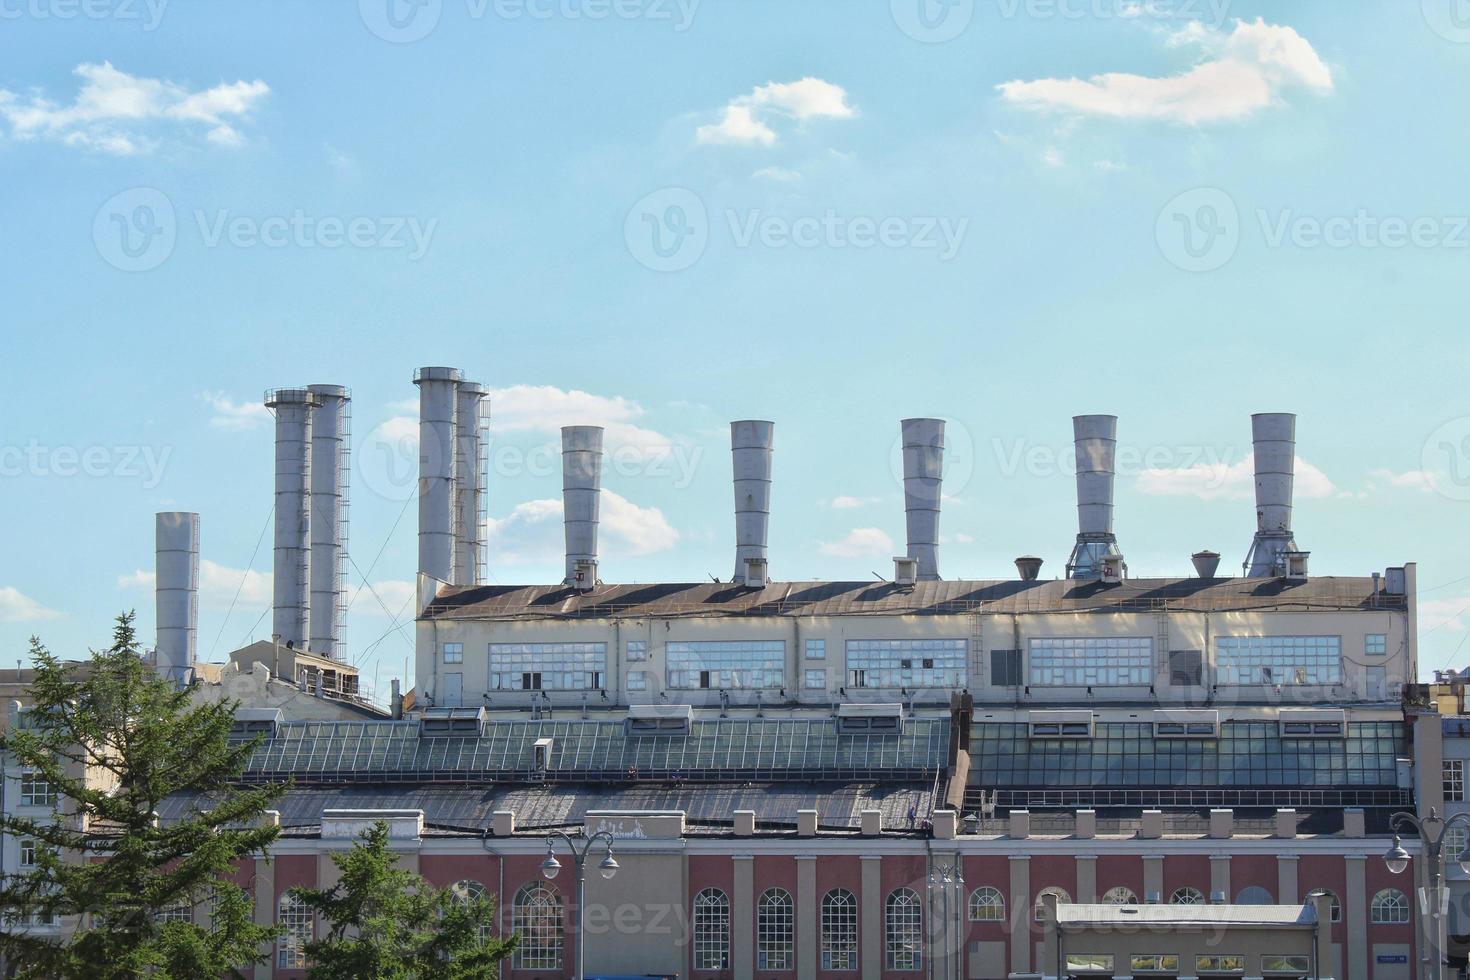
column 905, row 571
column 1028, row 567
column 471, row 444
column 1186, row 724
column 581, row 490
column 923, row 478
column 1095, row 441
column 1060, row 724
column 659, row 719
column 250, row 722
column 1312, row 723
column 584, row 576
column 1206, row 563
column 870, row 719
column 1296, row 565
column 1114, row 569
column 755, row 573
column 1274, row 440
column 438, row 398
column 751, row 447
column 440, row 722
column 1395, row 581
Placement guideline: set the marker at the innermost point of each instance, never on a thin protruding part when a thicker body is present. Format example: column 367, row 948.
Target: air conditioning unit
column 250, row 722
column 1060, row 724
column 585, row 575
column 1312, row 723
column 755, row 573
column 1296, row 565
column 1186, row 723
column 541, row 754
column 1114, row 569
column 659, row 719
column 870, row 719
column 440, row 722
column 905, row 572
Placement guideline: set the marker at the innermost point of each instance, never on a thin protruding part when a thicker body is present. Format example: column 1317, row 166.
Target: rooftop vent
column 1206, row 563
column 1095, row 441
column 870, row 719
column 751, row 446
column 1169, row 723
column 1060, row 724
column 439, row 722
column 1029, row 568
column 659, row 719
column 250, row 722
column 923, row 477
column 755, row 573
column 1274, row 443
column 584, row 577
column 1114, row 569
column 1296, row 565
column 581, row 482
column 905, row 571
column 1312, row 723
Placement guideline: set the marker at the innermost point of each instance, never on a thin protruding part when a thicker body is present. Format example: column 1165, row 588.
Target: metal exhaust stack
column 1274, row 438
column 923, row 477
column 1206, row 563
column 176, row 594
column 751, row 446
column 437, row 396
column 329, row 448
column 470, row 417
column 1095, row 439
column 290, row 619
column 581, row 492
column 1029, row 568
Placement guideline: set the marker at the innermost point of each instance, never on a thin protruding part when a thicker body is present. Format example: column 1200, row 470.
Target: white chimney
column 923, row 477
column 751, row 444
column 1095, row 440
column 292, row 583
column 330, row 432
column 470, row 416
column 581, row 492
column 437, row 396
column 176, row 594
column 1274, row 438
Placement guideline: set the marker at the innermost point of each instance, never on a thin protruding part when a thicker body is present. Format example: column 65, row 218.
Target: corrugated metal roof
column 1185, row 915
column 926, row 598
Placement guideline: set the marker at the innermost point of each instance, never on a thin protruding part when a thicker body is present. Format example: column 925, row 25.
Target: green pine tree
column 113, row 740
column 390, row 924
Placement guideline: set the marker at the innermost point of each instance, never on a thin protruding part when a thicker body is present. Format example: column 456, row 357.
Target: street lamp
column 551, row 867
column 1432, row 831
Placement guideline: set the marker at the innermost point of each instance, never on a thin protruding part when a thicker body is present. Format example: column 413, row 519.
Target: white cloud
column 1240, row 75
column 396, row 594
column 964, row 538
column 532, row 532
column 17, row 607
column 747, row 120
column 232, row 415
column 1421, row 480
column 848, row 503
column 543, row 408
column 1229, row 481
column 122, row 114
column 860, row 542
column 1452, row 611
column 218, row 585
column 780, row 174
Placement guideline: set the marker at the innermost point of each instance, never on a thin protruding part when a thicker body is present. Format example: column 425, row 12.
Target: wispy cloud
column 750, row 120
column 844, row 502
column 114, row 112
column 218, row 585
column 17, row 607
column 1239, row 75
column 778, row 174
column 532, row 532
column 1229, row 481
column 860, row 542
column 232, row 415
column 1421, row 480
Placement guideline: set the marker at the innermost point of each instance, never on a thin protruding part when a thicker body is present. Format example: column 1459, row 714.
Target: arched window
column 1390, row 907
column 1119, row 896
column 535, row 916
column 1336, row 905
column 1062, row 898
column 711, row 930
column 467, row 892
column 987, row 905
column 1187, row 896
column 180, row 911
column 775, row 930
column 903, row 930
column 295, row 920
column 1254, row 895
column 839, row 930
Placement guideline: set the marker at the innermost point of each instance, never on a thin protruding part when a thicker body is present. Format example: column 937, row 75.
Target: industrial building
column 846, row 779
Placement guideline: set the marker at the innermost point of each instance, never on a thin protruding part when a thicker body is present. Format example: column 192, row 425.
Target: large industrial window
column 35, row 790
column 1390, row 907
column 1005, row 668
column 1219, row 963
column 465, row 893
column 839, row 930
column 1086, row 661
column 297, row 930
column 987, row 905
column 726, row 664
column 1154, row 963
column 547, row 666
column 1294, row 963
column 775, row 930
column 535, row 916
column 1090, row 963
column 903, row 931
column 179, row 911
column 906, row 663
column 711, row 930
column 1454, row 781
column 1186, row 668
column 1279, row 659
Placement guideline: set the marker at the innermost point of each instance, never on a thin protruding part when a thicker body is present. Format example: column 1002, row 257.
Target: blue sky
column 1003, row 213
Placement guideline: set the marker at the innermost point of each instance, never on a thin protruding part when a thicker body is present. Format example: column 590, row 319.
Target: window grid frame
column 711, row 928
column 903, row 931
column 571, row 666
column 731, row 664
column 890, row 664
column 839, row 931
column 1090, row 661
column 775, row 930
column 536, row 917
column 1313, row 660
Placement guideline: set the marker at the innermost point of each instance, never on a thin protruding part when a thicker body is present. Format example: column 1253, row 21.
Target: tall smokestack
column 923, row 476
column 176, row 594
column 469, row 469
column 581, row 489
column 751, row 444
column 437, row 397
column 292, row 609
column 1095, row 440
column 329, row 447
column 1274, row 437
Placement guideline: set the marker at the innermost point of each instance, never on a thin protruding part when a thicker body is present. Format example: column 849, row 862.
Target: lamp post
column 1433, row 830
column 949, row 881
column 608, row 866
